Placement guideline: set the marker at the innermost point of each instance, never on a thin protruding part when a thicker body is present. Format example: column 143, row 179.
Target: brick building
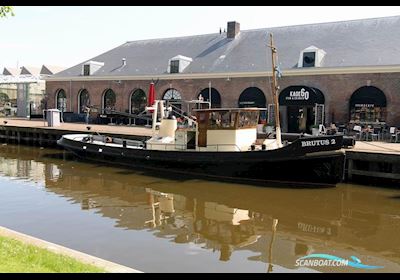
column 342, row 72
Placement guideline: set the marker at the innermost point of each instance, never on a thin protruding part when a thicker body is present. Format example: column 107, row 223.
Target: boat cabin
column 226, row 129
column 217, row 129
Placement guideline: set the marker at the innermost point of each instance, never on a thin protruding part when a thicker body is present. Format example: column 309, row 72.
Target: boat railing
column 181, row 114
column 110, row 140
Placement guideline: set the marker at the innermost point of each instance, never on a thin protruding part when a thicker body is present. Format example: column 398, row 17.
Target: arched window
column 84, row 100
column 368, row 104
column 215, row 97
column 61, row 100
column 172, row 94
column 253, row 97
column 138, row 101
column 173, row 98
column 4, row 98
column 109, row 100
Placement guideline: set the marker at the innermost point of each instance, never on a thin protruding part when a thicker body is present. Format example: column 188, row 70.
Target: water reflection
column 275, row 225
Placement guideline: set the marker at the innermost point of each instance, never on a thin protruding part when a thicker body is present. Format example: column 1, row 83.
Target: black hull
column 310, row 166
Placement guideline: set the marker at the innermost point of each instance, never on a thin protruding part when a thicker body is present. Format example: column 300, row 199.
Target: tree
column 5, row 10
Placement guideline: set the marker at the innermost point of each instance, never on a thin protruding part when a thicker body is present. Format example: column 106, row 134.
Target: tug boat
column 219, row 143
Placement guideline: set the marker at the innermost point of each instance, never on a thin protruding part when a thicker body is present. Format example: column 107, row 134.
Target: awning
column 301, row 96
column 368, row 96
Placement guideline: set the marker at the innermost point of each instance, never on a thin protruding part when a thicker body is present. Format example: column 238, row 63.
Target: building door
column 293, row 118
column 302, row 111
column 300, row 119
column 202, row 118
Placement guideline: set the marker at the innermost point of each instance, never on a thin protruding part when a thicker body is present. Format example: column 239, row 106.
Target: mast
column 275, row 89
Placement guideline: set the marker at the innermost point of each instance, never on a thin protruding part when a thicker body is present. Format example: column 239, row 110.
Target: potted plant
column 315, row 129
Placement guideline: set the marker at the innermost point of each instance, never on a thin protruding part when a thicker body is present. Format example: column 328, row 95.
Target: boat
column 219, row 143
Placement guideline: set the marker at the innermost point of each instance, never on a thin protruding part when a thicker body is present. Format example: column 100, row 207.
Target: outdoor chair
column 394, row 135
column 342, row 130
column 321, row 130
column 376, row 134
column 358, row 133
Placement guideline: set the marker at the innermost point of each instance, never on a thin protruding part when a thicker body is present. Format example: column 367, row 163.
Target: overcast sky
column 65, row 36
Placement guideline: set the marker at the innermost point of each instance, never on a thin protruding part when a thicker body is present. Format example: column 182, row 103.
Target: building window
column 215, row 97
column 367, row 113
column 174, row 99
column 109, row 100
column 84, row 100
column 138, row 101
column 61, row 100
column 309, row 59
column 172, row 94
column 86, row 70
column 174, row 67
column 368, row 105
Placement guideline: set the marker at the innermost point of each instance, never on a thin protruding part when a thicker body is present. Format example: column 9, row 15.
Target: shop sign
column 298, row 95
column 246, row 102
column 364, row 105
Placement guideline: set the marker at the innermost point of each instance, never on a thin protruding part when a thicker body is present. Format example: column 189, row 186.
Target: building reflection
column 226, row 218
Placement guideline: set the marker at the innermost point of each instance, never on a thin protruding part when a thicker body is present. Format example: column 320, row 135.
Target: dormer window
column 178, row 63
column 311, row 57
column 174, row 66
column 90, row 67
column 86, row 70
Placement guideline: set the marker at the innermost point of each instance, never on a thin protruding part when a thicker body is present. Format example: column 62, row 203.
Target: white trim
column 287, row 72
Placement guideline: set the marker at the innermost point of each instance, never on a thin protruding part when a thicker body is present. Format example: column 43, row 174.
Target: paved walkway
column 376, row 147
column 114, row 129
column 58, row 249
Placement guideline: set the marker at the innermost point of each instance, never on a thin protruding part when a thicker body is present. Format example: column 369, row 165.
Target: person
column 87, row 116
column 333, row 129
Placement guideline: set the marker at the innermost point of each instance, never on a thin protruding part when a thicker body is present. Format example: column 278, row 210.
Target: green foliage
column 6, row 10
column 18, row 257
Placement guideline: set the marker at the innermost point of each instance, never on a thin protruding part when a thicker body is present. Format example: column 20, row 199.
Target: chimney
column 123, row 61
column 233, row 29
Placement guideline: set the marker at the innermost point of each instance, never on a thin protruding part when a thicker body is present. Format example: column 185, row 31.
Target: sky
column 66, row 36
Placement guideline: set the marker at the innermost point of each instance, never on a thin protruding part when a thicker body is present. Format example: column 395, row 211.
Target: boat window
column 228, row 119
column 214, row 121
column 248, row 119
column 222, row 120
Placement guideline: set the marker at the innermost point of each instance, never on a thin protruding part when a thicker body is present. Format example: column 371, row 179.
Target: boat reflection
column 273, row 225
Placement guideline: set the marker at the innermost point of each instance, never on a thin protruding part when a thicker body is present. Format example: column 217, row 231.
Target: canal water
column 157, row 224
